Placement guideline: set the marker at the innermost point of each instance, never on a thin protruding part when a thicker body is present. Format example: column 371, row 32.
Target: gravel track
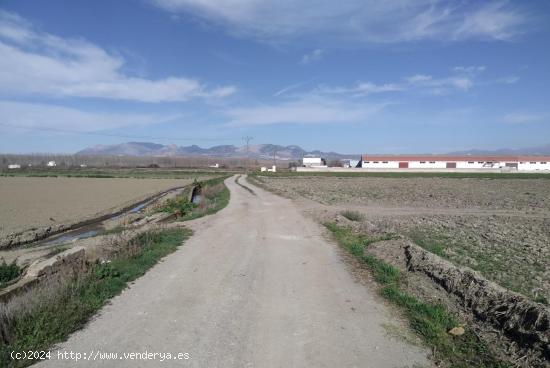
column 258, row 285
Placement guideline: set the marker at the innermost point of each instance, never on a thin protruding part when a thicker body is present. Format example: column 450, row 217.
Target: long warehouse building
column 421, row 162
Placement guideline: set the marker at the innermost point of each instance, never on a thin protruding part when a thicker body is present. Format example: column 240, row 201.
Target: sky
column 352, row 76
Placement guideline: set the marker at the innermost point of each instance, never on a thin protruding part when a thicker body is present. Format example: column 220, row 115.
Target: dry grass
column 62, row 303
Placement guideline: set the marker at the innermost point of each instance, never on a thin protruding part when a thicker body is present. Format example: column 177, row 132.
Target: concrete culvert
column 196, row 194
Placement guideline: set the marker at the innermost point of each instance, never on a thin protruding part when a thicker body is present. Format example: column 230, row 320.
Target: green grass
column 8, row 272
column 353, row 215
column 51, row 320
column 450, row 175
column 214, row 197
column 180, row 205
column 430, row 321
column 431, row 245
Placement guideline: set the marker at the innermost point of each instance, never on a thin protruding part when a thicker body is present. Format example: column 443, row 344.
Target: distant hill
column 537, row 150
column 259, row 151
column 262, row 151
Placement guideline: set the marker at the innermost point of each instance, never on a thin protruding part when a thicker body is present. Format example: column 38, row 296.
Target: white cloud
column 472, row 69
column 508, row 80
column 523, row 118
column 440, row 84
column 34, row 115
column 288, row 88
column 304, row 110
column 362, row 88
column 358, row 20
column 34, row 62
column 494, row 20
column 418, row 82
column 313, row 56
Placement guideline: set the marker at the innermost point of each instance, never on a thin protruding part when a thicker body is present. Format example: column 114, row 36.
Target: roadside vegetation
column 38, row 319
column 214, row 196
column 9, row 272
column 430, row 321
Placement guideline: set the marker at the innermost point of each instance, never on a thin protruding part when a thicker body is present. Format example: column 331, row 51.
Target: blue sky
column 350, row 76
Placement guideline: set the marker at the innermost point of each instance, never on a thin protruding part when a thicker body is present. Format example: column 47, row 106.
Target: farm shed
column 313, row 162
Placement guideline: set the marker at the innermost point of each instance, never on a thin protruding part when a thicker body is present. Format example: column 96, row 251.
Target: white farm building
column 313, row 162
column 458, row 163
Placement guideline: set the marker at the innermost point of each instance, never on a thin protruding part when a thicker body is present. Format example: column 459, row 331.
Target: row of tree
column 66, row 161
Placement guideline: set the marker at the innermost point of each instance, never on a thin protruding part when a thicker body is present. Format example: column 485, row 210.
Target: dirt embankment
column 515, row 328
column 524, row 322
column 512, row 251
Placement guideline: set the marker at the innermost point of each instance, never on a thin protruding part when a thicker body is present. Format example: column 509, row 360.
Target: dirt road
column 258, row 285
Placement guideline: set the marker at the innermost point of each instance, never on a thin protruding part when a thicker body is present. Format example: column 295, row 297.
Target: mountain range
column 534, row 151
column 263, row 151
column 258, row 151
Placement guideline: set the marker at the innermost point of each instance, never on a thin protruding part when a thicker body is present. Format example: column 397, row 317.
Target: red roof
column 454, row 158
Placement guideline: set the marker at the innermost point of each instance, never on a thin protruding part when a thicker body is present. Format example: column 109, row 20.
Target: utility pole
column 247, row 139
column 275, row 157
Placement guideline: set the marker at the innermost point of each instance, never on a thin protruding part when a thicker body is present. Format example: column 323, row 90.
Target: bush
column 8, row 272
column 179, row 205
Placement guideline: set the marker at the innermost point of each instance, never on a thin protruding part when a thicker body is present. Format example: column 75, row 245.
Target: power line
column 116, row 135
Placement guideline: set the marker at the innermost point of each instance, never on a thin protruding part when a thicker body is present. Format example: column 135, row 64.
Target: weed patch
column 431, row 245
column 180, row 206
column 430, row 321
column 214, row 197
column 8, row 272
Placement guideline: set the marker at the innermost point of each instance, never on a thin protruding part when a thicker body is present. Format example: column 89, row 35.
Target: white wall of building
column 474, row 165
column 312, row 161
column 380, row 165
column 533, row 165
column 427, row 165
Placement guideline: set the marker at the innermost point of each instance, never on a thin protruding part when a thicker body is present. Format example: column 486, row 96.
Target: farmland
column 497, row 227
column 44, row 201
